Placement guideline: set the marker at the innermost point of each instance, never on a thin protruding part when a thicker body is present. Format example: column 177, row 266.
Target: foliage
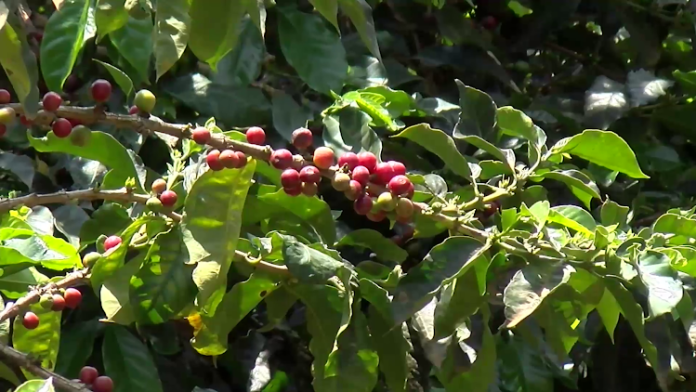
column 549, row 143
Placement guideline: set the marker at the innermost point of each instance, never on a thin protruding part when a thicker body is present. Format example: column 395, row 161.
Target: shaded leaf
column 321, row 61
column 243, row 64
column 42, row 343
column 664, row 289
column 128, row 362
column 306, row 264
column 360, row 13
column 478, row 112
column 64, row 37
column 110, row 16
column 134, row 43
column 210, row 42
column 19, row 63
column 375, row 241
column 171, row 33
column 580, row 184
column 76, row 344
column 445, row 261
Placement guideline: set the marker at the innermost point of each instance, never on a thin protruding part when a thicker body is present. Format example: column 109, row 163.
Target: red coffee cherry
column 310, row 174
column 3, row 129
column 168, row 198
column 310, row 189
column 241, row 158
column 256, row 135
column 25, row 121
column 361, row 175
column 229, row 159
column 88, row 374
column 158, row 186
column 323, row 157
column 398, row 167
column 363, row 205
column 213, row 160
column 73, row 298
column 103, row 384
column 58, row 303
column 281, row 159
column 5, row 97
column 74, row 122
column 290, row 178
column 302, row 138
column 133, row 110
column 51, row 101
column 101, row 90
column 30, row 320
column 348, row 159
column 385, row 171
column 369, row 160
column 200, row 135
column 296, row 191
column 112, row 242
column 377, row 216
column 354, row 191
column 489, row 23
column 400, row 185
column 61, row 128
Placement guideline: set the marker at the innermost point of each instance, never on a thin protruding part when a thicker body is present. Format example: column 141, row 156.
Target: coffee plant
column 347, row 195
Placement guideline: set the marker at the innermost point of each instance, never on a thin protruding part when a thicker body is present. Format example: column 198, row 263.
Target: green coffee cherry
column 46, row 301
column 154, row 204
column 145, row 101
column 91, row 258
column 386, row 202
column 7, row 115
column 80, row 136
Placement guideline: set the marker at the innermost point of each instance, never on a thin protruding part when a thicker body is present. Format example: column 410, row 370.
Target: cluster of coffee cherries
column 55, row 300
column 100, row 90
column 164, row 198
column 90, row 376
column 225, row 159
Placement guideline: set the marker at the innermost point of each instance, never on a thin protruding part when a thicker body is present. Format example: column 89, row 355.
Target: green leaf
column 367, row 238
column 440, row 144
column 172, row 23
column 573, row 217
column 353, row 368
column 110, row 16
column 53, row 253
column 613, row 213
column 664, row 289
column 324, row 316
column 164, row 284
column 505, row 155
column 76, row 345
column 360, row 13
column 687, row 80
column 114, row 292
column 210, row 42
column 288, row 115
column 461, row 299
column 64, row 37
column 278, row 303
column 17, row 284
column 528, row 288
column 120, row 77
column 257, row 13
column 306, row 264
column 243, row 64
column 350, row 131
column 609, row 311
column 211, row 228
column 101, row 147
column 42, row 343
column 128, row 362
column 524, row 365
column 445, row 261
column 482, row 373
column 328, row 9
column 389, row 341
column 681, row 227
column 478, row 113
column 603, row 148
column 210, row 338
column 19, row 63
column 633, row 313
column 134, row 43
column 312, row 210
column 580, row 184
column 321, row 61
column 514, row 122
column 36, row 386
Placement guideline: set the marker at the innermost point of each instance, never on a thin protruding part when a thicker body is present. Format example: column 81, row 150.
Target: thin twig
column 11, row 355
